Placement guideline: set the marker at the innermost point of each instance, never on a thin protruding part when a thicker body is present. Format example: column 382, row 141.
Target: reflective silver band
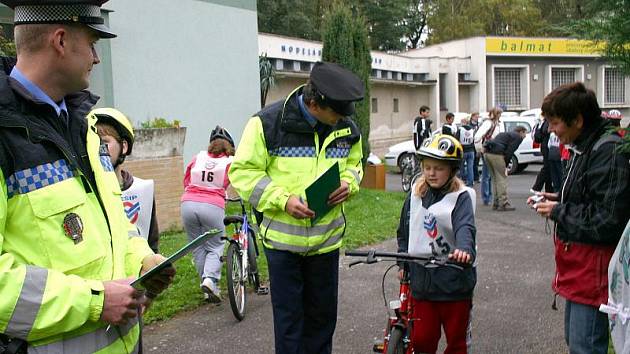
column 297, row 230
column 28, row 303
column 304, row 249
column 89, row 342
column 254, row 199
column 133, row 233
column 356, row 175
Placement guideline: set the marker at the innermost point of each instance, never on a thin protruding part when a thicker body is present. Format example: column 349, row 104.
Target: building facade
column 467, row 75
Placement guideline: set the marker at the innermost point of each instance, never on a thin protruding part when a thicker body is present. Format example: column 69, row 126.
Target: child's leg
column 455, row 316
column 425, row 326
column 193, row 228
column 211, row 217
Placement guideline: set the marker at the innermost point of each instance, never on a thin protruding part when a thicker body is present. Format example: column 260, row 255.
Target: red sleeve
column 188, row 168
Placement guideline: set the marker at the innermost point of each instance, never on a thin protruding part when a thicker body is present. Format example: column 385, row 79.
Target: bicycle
column 410, row 169
column 241, row 262
column 398, row 329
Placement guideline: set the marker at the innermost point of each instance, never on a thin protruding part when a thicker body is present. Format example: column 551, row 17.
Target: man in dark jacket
column 498, row 153
column 590, row 212
column 421, row 126
column 541, row 136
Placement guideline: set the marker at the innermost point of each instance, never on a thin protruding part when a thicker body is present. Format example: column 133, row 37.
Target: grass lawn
column 372, row 217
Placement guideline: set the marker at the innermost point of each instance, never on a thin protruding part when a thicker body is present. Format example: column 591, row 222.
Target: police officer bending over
column 284, row 148
column 67, row 250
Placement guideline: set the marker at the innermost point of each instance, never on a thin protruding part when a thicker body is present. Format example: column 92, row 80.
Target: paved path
column 512, row 312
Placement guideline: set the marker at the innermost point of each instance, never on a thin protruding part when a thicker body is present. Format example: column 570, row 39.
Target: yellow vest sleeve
column 353, row 174
column 137, row 249
column 248, row 171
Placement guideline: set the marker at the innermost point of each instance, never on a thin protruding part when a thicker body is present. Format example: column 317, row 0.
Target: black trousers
column 304, row 293
column 543, row 179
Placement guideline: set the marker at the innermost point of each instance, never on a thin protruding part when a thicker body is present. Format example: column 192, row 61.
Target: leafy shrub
column 159, row 122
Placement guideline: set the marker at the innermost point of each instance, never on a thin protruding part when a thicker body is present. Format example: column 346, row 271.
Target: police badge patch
column 73, row 226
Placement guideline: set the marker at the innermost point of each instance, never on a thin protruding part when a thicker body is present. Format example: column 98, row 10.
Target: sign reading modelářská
column 541, row 46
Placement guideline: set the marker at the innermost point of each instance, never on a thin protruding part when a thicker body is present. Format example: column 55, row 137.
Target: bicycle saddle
column 232, row 219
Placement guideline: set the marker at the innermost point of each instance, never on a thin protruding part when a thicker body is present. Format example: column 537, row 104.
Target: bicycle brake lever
column 370, row 257
column 355, row 263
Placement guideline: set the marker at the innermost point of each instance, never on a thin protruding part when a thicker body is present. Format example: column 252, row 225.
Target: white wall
column 194, row 61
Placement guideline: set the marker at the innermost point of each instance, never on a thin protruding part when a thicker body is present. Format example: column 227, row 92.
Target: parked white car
column 526, row 153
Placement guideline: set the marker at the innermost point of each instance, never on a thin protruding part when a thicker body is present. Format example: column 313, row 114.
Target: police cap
column 87, row 12
column 339, row 86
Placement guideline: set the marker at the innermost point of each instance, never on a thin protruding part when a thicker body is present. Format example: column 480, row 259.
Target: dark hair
column 450, row 115
column 424, row 109
column 567, row 101
column 220, row 145
column 520, row 129
column 311, row 93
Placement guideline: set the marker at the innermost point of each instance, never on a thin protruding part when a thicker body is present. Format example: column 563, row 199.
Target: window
column 507, row 87
column 374, row 105
column 395, row 105
column 614, row 86
column 305, row 66
column 561, row 76
column 509, row 126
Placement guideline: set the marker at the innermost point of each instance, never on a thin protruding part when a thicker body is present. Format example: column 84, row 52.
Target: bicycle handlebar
column 373, row 254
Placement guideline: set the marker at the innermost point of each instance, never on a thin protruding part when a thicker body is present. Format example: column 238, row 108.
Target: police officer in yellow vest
column 67, row 250
column 284, row 148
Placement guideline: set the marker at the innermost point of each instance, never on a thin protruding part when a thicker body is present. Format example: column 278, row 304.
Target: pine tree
column 345, row 40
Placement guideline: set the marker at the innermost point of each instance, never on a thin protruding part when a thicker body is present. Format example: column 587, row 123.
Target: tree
column 456, row 19
column 384, row 22
column 415, row 23
column 267, row 77
column 608, row 25
column 7, row 46
column 346, row 42
column 294, row 18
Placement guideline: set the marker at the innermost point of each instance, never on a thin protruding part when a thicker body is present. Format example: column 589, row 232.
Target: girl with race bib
column 203, row 207
column 438, row 220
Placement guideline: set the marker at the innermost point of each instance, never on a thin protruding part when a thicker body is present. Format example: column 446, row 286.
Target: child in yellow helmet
column 438, row 221
column 138, row 197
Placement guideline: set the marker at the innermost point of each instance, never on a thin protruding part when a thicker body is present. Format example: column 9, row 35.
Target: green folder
column 317, row 193
column 138, row 283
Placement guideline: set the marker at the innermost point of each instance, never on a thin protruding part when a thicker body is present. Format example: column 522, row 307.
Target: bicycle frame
column 403, row 307
column 240, row 237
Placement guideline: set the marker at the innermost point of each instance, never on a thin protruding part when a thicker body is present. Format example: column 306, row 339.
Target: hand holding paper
column 298, row 208
column 340, row 194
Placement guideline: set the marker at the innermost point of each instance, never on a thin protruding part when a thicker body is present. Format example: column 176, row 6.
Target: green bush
column 159, row 122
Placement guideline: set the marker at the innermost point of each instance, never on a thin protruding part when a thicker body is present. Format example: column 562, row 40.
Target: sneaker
column 533, row 191
column 209, row 287
column 506, row 207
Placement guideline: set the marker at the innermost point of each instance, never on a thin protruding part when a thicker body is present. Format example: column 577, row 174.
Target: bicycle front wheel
column 236, row 281
column 407, row 177
column 396, row 344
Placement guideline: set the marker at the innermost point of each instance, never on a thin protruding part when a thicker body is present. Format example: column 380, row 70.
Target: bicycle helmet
column 442, row 147
column 221, row 133
column 119, row 121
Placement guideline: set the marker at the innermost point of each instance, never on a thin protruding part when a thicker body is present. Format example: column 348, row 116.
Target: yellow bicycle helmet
column 442, row 147
column 119, row 121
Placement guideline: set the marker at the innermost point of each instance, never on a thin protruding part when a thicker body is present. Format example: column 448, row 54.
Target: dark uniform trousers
column 304, row 292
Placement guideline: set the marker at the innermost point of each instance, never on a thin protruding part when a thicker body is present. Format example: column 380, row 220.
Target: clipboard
column 317, row 193
column 172, row 259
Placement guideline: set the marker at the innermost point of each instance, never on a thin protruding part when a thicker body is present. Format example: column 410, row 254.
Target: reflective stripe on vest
column 356, row 175
column 334, row 239
column 303, row 231
column 89, row 342
column 28, row 303
column 298, row 230
column 257, row 193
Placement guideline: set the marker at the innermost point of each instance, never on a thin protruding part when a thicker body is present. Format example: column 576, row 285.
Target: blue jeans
column 585, row 329
column 486, row 185
column 466, row 170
